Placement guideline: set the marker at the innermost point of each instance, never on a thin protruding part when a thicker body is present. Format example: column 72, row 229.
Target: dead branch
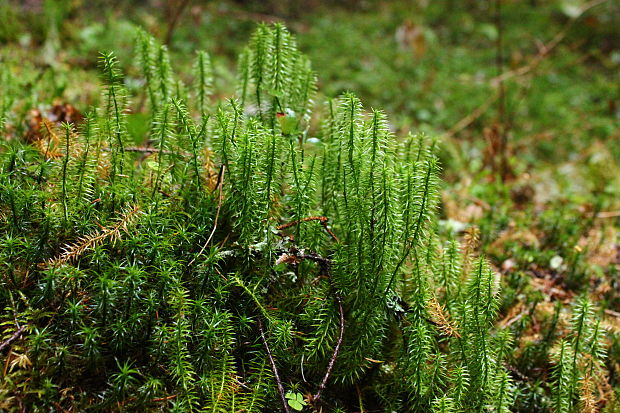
column 172, row 22
column 220, row 180
column 14, row 337
column 544, row 52
column 297, row 256
column 75, row 250
column 330, row 366
column 163, row 399
column 546, row 49
column 608, row 214
column 274, row 369
column 473, row 116
column 441, row 319
column 322, row 220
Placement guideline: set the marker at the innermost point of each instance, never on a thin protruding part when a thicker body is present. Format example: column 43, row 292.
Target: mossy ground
column 548, row 219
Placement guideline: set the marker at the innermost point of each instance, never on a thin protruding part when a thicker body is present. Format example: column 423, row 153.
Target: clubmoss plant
column 233, row 264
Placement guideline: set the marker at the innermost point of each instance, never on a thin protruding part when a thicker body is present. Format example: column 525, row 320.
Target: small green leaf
column 287, row 121
column 296, row 400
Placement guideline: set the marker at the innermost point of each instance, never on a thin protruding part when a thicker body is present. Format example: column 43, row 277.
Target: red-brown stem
column 325, row 265
column 322, row 220
column 14, row 337
column 330, row 366
column 274, row 369
column 163, row 399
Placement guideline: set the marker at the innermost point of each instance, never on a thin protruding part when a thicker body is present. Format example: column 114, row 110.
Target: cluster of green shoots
column 262, row 253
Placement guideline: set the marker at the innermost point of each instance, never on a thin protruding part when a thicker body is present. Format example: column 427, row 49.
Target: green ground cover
column 407, row 206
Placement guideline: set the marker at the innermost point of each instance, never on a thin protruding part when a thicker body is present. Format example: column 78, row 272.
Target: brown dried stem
column 164, row 399
column 441, row 319
column 274, row 368
column 322, row 220
column 14, row 337
column 546, row 49
column 544, row 52
column 174, row 20
column 220, row 183
column 295, row 256
column 75, row 250
column 330, row 366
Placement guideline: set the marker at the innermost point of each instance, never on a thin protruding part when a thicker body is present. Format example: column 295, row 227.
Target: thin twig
column 242, row 384
column 513, row 320
column 163, row 399
column 612, row 313
column 74, row 251
column 274, row 369
column 330, row 366
column 469, row 119
column 322, row 220
column 220, row 180
column 547, row 48
column 359, row 398
column 608, row 214
column 172, row 23
column 520, row 376
column 301, row 365
column 14, row 337
column 59, row 407
column 325, row 264
column 150, row 150
column 543, row 53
